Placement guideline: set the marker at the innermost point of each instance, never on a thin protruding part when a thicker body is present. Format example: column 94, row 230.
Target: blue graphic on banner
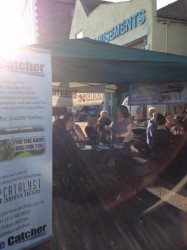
column 2, row 245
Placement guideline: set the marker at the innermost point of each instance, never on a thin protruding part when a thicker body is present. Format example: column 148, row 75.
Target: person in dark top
column 162, row 141
column 74, row 178
column 181, row 116
column 74, row 129
column 172, row 124
column 104, row 120
column 169, row 152
column 63, row 142
column 92, row 129
column 179, row 168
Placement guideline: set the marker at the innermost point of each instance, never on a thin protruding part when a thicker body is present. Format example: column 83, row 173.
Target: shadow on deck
column 119, row 226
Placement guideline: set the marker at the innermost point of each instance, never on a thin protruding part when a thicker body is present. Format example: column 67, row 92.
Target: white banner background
column 25, row 150
column 149, row 94
column 86, row 99
column 78, row 96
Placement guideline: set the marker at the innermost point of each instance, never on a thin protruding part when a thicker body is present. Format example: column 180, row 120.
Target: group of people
column 69, row 164
column 99, row 130
column 166, row 136
column 105, row 130
column 162, row 131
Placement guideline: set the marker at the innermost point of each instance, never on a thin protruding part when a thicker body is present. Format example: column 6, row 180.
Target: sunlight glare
column 10, row 27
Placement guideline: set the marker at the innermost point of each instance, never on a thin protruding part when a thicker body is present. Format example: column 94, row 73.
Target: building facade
column 136, row 24
column 46, row 20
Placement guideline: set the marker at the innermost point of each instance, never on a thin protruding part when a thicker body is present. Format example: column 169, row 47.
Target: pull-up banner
column 25, row 149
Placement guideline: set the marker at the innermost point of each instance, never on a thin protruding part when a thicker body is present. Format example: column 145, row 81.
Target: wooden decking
column 120, row 225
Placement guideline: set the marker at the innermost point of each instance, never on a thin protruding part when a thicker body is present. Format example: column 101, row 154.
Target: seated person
column 181, row 116
column 162, row 141
column 75, row 180
column 63, row 142
column 172, row 125
column 92, row 129
column 73, row 129
column 65, row 136
column 104, row 120
column 178, row 166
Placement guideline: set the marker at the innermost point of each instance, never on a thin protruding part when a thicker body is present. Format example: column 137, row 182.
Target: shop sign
column 123, row 27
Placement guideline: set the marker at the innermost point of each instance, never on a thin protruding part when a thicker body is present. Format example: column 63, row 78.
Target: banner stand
column 25, row 149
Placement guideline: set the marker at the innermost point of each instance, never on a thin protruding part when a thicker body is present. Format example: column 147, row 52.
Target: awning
column 86, row 60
